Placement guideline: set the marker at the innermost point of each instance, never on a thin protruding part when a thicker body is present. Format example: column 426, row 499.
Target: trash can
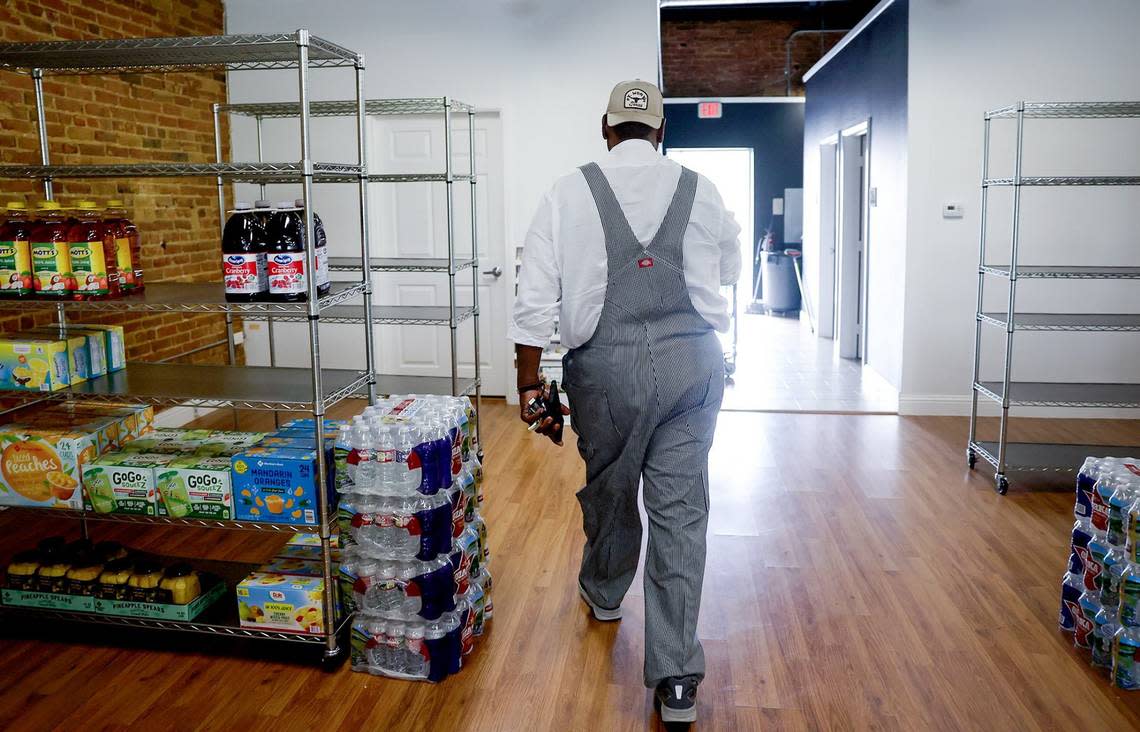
column 781, row 293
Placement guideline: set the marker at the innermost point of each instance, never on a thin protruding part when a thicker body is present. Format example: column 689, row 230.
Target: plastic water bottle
column 1130, row 596
column 386, row 465
column 1100, row 496
column 1105, row 626
column 377, row 653
column 410, row 471
column 1112, row 577
column 466, row 482
column 397, row 661
column 341, row 449
column 1125, row 648
column 415, row 661
column 1119, row 501
column 1088, row 606
column 406, row 576
column 363, row 444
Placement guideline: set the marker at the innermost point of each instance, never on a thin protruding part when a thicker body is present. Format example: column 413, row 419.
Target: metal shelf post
column 475, row 277
column 365, row 245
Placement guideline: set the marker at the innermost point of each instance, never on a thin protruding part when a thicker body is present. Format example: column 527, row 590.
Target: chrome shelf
column 1050, row 394
column 1069, row 110
column 1066, row 180
column 346, row 108
column 381, row 315
column 397, row 384
column 244, row 387
column 170, row 521
column 234, row 172
column 398, row 264
column 194, row 297
column 416, row 177
column 1034, row 272
column 1119, row 322
column 1043, row 457
column 232, row 52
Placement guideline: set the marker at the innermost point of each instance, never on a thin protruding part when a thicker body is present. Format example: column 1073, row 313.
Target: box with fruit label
column 34, row 364
column 276, row 485
column 196, row 487
column 44, row 468
column 282, row 602
column 115, row 343
column 123, row 483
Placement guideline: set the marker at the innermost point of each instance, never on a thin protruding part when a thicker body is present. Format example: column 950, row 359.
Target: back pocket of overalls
column 701, row 422
column 591, row 418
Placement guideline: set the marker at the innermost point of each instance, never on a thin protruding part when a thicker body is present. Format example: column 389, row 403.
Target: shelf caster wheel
column 1002, row 485
column 971, row 459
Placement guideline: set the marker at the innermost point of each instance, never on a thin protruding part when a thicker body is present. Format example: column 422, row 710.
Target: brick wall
column 135, row 117
column 732, row 53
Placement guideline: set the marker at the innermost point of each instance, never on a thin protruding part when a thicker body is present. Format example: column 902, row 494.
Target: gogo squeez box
column 277, row 485
column 196, row 486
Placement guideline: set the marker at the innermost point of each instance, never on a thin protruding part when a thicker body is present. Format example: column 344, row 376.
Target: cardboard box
column 196, row 487
column 212, row 589
column 92, row 352
column 34, row 364
column 43, row 468
column 123, row 483
column 293, row 566
column 309, row 553
column 282, row 602
column 115, row 341
column 302, row 538
column 48, row 601
column 276, row 485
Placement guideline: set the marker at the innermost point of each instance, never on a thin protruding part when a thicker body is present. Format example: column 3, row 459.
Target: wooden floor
column 859, row 577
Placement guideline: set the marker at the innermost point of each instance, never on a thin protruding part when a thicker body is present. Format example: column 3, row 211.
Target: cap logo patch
column 636, row 99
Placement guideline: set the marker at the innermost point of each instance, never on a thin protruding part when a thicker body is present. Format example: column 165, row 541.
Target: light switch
column 952, row 211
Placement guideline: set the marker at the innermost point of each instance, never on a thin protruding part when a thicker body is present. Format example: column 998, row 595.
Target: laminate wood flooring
column 859, row 577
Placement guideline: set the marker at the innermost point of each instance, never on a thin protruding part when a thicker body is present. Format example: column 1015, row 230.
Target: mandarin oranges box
column 276, row 485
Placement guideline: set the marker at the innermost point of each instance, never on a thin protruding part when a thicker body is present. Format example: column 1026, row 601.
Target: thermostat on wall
column 952, row 211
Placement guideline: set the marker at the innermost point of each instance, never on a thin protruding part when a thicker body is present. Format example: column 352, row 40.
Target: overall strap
column 668, row 240
column 622, row 245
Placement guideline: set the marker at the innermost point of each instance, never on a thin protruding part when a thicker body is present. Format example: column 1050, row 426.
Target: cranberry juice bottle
column 286, row 252
column 16, row 253
column 127, row 248
column 323, row 282
column 243, row 257
column 51, row 257
column 94, row 261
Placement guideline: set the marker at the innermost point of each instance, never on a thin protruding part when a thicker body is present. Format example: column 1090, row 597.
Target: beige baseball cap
column 636, row 101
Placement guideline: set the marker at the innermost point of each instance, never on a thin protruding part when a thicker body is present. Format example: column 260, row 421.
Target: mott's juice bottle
column 16, row 253
column 51, row 256
column 94, row 264
column 127, row 254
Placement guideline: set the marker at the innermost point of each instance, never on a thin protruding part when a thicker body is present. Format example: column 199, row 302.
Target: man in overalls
column 629, row 255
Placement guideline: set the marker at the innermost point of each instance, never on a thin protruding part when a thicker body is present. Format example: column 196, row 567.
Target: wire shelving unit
column 450, row 316
column 1020, row 457
column 310, row 390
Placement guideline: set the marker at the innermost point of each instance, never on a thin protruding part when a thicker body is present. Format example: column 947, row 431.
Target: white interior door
column 827, row 230
column 852, row 208
column 410, row 221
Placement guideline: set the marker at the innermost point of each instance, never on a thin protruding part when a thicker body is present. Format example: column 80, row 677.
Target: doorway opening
column 851, row 256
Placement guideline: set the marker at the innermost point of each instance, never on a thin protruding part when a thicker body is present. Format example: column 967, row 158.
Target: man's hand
column 532, row 414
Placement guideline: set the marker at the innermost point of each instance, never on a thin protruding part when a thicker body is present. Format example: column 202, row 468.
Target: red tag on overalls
column 645, row 262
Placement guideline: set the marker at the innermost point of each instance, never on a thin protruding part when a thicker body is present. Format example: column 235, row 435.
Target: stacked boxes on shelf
column 415, row 550
column 1100, row 592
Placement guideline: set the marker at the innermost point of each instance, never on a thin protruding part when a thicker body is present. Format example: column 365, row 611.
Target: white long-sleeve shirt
column 564, row 267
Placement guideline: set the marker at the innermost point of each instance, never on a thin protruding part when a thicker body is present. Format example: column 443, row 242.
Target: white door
column 827, row 229
column 409, row 220
column 852, row 227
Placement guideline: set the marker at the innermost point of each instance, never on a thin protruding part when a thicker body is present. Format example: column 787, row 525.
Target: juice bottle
column 243, row 257
column 286, row 254
column 94, row 263
column 127, row 247
column 51, row 257
column 16, row 253
column 323, row 283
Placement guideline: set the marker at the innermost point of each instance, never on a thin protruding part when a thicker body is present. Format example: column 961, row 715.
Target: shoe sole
column 600, row 613
column 675, row 716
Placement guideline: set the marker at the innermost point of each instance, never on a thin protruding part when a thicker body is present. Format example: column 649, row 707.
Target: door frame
column 859, row 133
column 828, row 231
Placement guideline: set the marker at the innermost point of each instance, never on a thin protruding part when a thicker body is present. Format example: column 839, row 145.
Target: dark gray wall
column 868, row 80
column 773, row 130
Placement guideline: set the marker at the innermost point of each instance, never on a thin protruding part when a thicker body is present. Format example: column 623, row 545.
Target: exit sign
column 709, row 110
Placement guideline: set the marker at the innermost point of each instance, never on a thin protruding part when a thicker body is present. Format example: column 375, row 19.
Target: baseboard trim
column 958, row 405
column 180, row 416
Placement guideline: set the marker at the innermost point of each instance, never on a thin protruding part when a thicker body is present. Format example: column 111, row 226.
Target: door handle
column 495, row 272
